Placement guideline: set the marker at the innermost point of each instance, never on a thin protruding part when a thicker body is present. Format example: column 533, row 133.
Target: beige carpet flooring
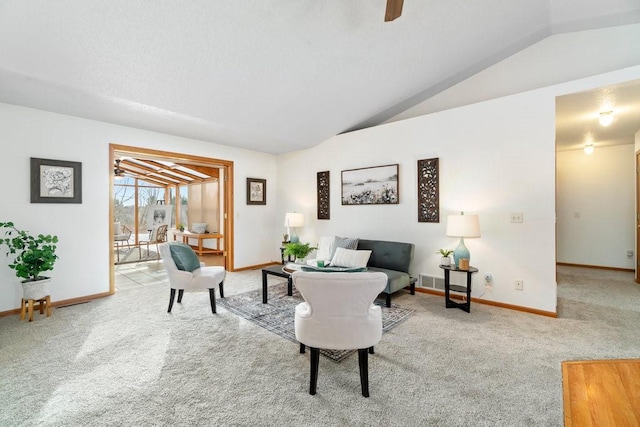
column 123, row 360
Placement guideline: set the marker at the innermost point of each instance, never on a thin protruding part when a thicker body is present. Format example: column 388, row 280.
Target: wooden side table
column 200, row 237
column 27, row 306
column 466, row 306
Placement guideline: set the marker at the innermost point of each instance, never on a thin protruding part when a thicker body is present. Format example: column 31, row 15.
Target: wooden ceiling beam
column 151, row 180
column 212, row 172
column 394, row 10
column 174, row 169
column 173, row 180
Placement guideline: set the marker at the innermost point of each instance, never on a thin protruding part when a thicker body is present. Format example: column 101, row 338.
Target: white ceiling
column 577, row 117
column 268, row 75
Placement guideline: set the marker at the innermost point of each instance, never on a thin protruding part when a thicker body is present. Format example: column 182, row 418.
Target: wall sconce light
column 588, row 148
column 606, row 118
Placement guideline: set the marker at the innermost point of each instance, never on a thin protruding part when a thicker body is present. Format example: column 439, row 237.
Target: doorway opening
column 189, row 190
column 597, row 180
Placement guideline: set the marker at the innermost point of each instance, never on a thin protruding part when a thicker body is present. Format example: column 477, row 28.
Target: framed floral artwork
column 376, row 185
column 55, row 181
column 256, row 191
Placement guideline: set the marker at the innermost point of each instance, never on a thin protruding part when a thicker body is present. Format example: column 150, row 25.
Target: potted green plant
column 181, row 227
column 33, row 256
column 445, row 260
column 298, row 250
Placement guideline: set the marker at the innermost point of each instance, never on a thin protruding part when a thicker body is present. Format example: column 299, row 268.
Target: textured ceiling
column 577, row 117
column 272, row 76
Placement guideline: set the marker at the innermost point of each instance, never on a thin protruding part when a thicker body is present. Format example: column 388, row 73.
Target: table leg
column 467, row 306
column 264, row 287
column 446, row 289
column 48, row 305
column 30, row 310
column 289, row 286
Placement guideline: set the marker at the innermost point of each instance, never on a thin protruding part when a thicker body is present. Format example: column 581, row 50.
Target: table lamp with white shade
column 291, row 221
column 462, row 226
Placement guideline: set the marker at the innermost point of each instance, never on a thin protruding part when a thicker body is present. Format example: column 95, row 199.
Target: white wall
column 496, row 157
column 596, row 208
column 83, row 266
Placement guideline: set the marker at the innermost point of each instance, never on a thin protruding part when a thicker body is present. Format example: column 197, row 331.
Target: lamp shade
column 463, row 226
column 293, row 219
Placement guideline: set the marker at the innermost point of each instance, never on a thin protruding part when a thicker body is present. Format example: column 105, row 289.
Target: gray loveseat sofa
column 394, row 259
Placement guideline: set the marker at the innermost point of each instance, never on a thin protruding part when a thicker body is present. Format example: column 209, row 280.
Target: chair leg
column 371, row 350
column 221, row 286
column 171, row 297
column 180, row 293
column 388, row 300
column 363, row 360
column 212, row 298
column 315, row 361
column 412, row 289
column 301, row 348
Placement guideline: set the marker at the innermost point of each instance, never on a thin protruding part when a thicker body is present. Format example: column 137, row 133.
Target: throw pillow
column 350, row 258
column 343, row 242
column 199, row 227
column 325, row 248
column 184, row 257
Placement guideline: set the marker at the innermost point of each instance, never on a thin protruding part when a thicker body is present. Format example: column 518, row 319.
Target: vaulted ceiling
column 268, row 75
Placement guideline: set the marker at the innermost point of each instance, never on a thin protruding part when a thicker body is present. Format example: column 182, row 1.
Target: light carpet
column 278, row 314
column 123, row 360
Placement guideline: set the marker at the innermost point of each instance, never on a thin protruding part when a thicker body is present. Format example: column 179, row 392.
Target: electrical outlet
column 516, row 216
column 519, row 285
column 488, row 278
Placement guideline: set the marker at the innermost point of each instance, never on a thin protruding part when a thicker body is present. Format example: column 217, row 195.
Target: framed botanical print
column 256, row 191
column 55, row 181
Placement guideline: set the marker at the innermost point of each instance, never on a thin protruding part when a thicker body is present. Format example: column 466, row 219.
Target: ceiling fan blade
column 394, row 10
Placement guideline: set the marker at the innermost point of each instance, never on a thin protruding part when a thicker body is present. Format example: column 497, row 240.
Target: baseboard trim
column 256, row 267
column 598, row 267
column 61, row 303
column 492, row 303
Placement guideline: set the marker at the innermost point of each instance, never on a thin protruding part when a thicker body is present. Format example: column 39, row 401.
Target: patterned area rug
column 277, row 315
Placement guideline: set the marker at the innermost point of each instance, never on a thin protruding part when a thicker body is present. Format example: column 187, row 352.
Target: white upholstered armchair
column 187, row 273
column 339, row 314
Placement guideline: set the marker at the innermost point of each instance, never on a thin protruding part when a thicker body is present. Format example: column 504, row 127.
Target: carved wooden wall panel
column 323, row 195
column 428, row 190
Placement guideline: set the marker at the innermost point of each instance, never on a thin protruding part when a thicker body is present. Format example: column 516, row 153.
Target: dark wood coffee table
column 276, row 270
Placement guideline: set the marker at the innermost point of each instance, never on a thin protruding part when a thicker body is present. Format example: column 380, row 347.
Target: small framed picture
column 256, row 191
column 55, row 181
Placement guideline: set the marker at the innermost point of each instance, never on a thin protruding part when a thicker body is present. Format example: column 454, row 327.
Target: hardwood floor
column 601, row 392
column 213, row 260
